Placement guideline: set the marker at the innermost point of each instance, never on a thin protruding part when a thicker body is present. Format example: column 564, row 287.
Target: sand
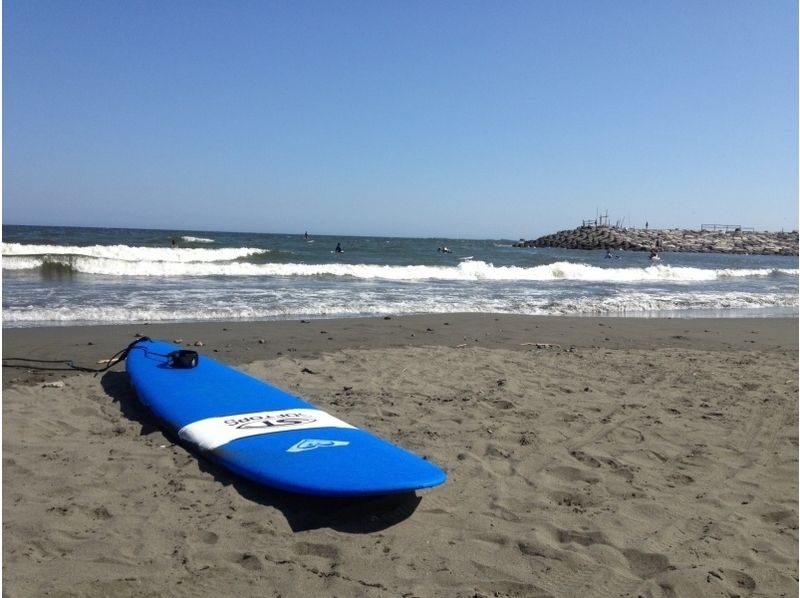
column 586, row 457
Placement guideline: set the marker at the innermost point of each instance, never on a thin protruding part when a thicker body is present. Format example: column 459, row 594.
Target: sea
column 88, row 276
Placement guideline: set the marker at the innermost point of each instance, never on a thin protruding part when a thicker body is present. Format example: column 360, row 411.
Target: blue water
column 61, row 275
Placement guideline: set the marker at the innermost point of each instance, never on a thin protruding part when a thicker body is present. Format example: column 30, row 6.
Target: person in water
column 338, row 248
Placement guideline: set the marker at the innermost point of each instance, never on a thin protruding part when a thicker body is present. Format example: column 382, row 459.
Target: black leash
column 70, row 366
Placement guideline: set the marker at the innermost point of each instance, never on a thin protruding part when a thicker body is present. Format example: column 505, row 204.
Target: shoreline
column 649, row 457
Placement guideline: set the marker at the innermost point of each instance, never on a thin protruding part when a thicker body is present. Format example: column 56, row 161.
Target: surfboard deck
column 267, row 435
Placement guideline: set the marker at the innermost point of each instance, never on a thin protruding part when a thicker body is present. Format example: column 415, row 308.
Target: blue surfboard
column 267, row 435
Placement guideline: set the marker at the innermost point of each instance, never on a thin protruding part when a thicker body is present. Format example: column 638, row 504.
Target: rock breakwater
column 702, row 241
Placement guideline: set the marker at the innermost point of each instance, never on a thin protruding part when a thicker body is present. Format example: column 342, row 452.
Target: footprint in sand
column 573, row 474
column 249, row 561
column 646, row 564
column 325, row 551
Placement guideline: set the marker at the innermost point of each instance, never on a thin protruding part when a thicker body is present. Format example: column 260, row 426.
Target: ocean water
column 60, row 275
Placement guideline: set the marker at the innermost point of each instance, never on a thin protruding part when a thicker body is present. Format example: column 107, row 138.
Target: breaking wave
column 123, row 253
column 120, row 260
column 140, row 278
column 189, row 239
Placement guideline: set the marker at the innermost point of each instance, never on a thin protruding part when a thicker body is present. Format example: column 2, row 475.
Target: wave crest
column 125, row 253
column 144, row 261
column 190, row 239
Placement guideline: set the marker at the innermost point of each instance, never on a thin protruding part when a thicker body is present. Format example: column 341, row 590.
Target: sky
column 443, row 118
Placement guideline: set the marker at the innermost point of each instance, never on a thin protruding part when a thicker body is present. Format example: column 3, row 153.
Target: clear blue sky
column 456, row 118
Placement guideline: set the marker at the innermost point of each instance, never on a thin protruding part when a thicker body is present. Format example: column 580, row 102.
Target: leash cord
column 70, row 365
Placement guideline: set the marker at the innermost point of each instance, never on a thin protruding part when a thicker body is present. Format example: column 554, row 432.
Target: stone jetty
column 702, row 241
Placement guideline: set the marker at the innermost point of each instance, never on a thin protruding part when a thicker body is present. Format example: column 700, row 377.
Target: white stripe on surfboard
column 213, row 432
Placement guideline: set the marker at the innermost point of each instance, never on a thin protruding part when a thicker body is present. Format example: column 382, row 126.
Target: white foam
column 189, row 239
column 125, row 253
column 246, row 307
column 22, row 263
column 147, row 261
column 639, row 303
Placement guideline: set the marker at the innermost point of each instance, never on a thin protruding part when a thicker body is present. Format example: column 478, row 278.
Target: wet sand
column 586, row 457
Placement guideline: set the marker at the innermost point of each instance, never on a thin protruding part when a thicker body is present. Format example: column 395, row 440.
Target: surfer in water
column 338, row 248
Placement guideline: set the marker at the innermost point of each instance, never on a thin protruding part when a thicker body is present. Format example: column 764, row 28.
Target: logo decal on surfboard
column 213, row 432
column 313, row 443
column 270, row 420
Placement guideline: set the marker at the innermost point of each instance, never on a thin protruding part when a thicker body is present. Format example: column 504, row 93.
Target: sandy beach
column 586, row 457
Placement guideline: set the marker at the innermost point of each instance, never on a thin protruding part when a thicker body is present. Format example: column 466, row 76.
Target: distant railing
column 727, row 228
